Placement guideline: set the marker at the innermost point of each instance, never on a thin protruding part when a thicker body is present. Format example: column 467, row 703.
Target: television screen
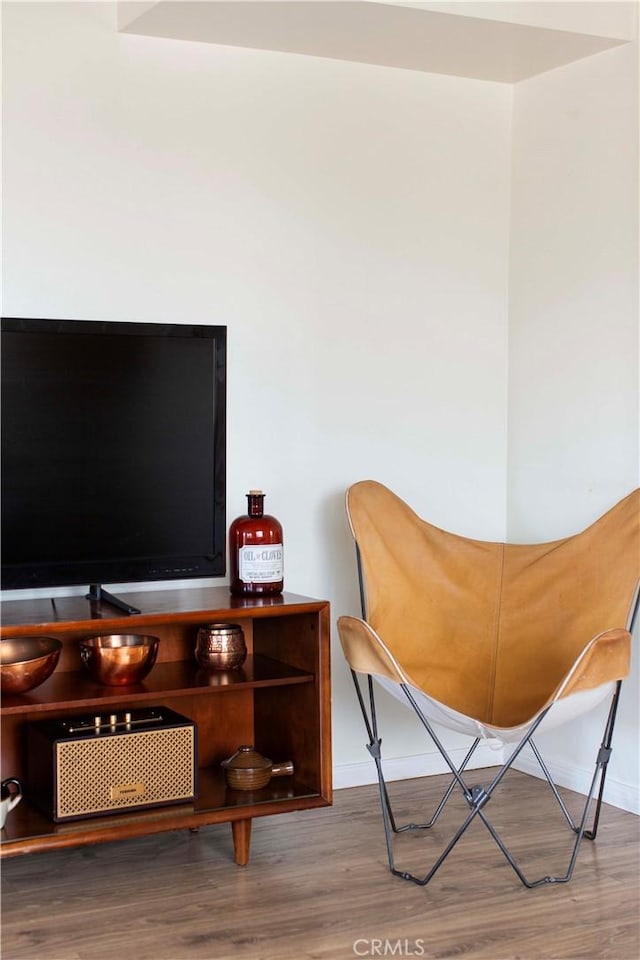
column 113, row 452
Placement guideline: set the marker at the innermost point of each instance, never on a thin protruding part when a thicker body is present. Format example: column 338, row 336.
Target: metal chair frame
column 477, row 796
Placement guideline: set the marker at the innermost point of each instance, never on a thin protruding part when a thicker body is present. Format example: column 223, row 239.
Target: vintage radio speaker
column 91, row 766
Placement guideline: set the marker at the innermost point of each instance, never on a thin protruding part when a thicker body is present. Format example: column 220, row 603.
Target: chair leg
column 477, row 797
column 374, row 748
column 389, row 823
column 602, row 760
column 554, row 789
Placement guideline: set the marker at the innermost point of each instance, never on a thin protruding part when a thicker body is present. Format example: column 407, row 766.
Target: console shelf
column 29, row 831
column 179, row 678
column 279, row 701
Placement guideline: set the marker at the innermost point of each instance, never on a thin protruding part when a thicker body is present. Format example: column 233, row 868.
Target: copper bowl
column 26, row 662
column 119, row 659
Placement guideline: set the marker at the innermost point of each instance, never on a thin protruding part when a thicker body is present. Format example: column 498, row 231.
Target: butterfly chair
column 498, row 641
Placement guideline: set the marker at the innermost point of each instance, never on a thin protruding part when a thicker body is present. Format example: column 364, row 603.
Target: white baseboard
column 405, row 768
column 617, row 793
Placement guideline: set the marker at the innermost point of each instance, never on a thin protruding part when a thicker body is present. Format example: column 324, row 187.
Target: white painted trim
column 406, row 768
column 616, row 792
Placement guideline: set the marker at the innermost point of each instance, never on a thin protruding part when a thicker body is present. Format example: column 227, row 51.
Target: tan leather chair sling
column 494, row 640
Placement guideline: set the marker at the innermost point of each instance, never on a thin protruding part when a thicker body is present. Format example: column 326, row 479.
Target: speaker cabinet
column 92, row 766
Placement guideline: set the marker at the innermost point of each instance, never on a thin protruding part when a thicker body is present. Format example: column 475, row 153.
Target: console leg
column 241, row 840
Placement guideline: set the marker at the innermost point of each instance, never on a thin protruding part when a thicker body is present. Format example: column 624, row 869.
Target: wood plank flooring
column 318, row 888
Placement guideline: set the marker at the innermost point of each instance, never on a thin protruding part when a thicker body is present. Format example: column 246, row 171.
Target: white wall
column 356, row 229
column 573, row 349
column 348, row 223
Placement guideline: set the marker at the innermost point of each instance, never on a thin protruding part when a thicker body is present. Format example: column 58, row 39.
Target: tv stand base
column 97, row 593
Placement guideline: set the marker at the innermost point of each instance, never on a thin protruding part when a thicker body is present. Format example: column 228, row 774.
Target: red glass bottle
column 256, row 555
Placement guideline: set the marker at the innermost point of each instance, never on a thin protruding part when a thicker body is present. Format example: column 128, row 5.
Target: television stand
column 279, row 701
column 99, row 594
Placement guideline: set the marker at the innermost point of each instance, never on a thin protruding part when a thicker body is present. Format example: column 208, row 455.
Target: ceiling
column 410, row 37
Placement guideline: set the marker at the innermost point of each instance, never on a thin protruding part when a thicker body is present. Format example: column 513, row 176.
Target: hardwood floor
column 318, row 888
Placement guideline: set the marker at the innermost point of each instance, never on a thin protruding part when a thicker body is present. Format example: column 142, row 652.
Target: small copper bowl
column 26, row 662
column 119, row 659
column 247, row 769
column 221, row 646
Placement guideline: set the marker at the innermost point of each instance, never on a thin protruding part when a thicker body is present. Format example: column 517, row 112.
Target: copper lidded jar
column 221, row 646
column 247, row 769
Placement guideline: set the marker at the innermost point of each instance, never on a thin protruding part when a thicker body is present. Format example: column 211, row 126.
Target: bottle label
column 264, row 564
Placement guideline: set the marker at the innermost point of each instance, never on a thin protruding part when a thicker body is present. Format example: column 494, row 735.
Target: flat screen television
column 113, row 452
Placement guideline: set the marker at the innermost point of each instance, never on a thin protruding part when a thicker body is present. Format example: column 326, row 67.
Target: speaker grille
column 116, row 773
